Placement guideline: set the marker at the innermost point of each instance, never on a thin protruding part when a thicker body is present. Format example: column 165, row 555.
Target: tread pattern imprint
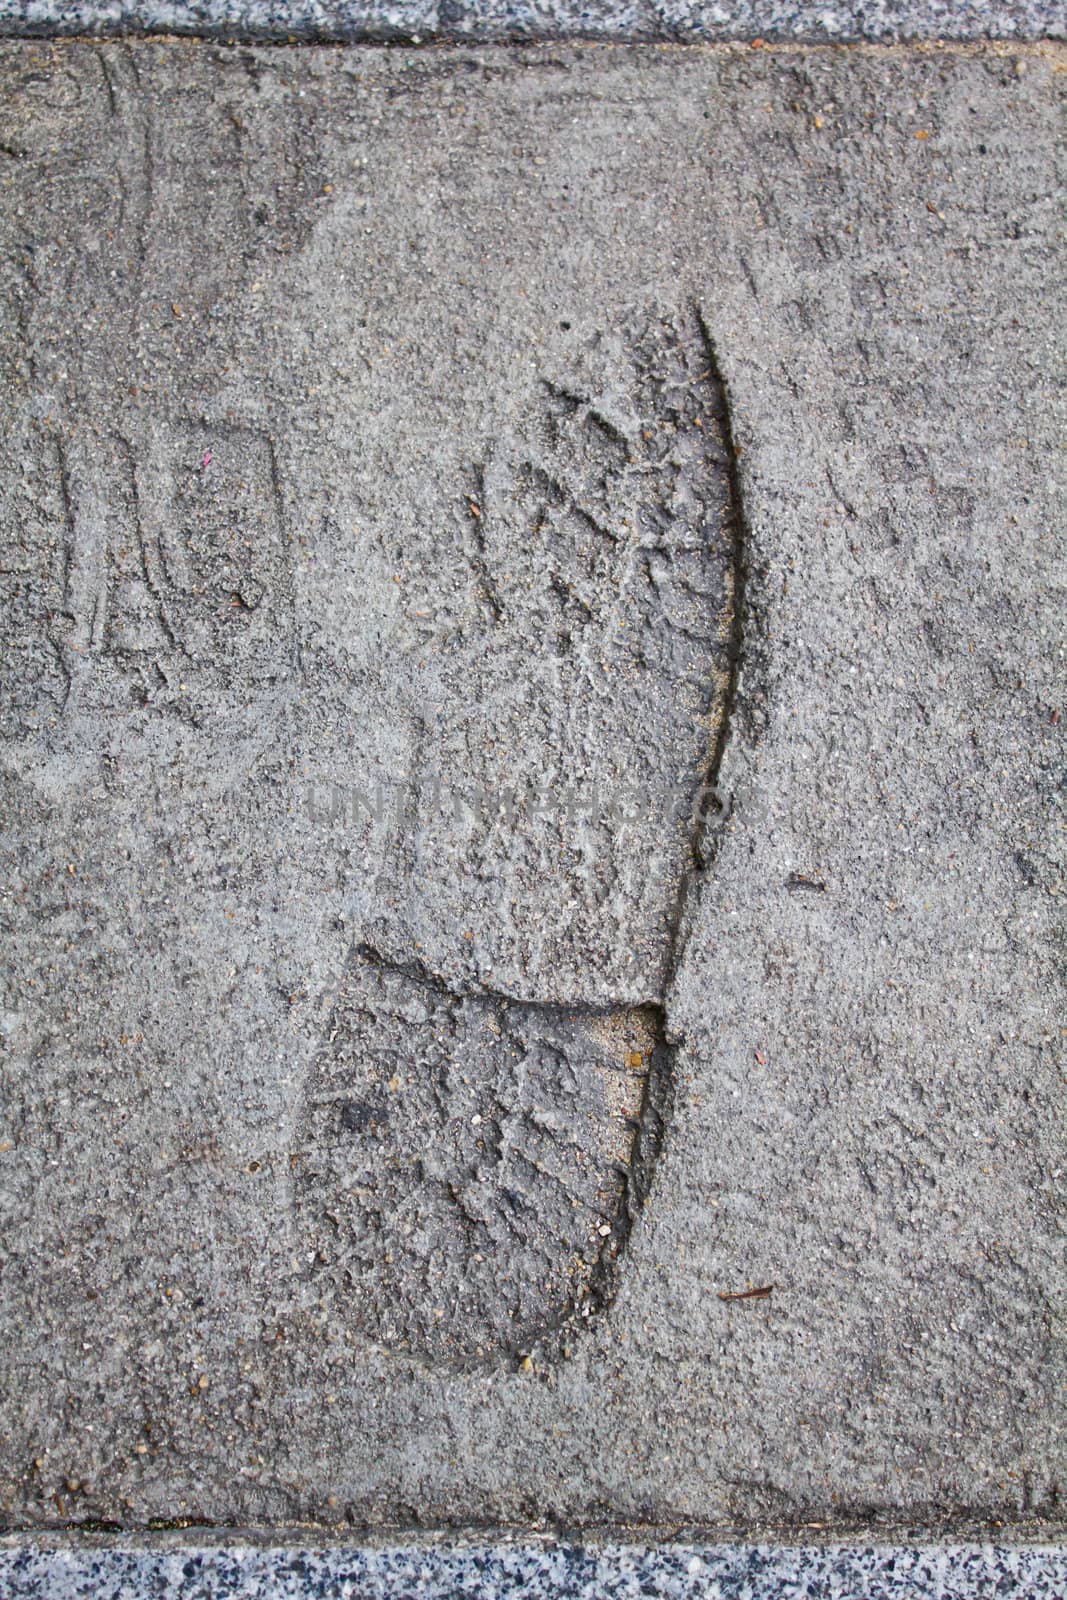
column 471, row 1158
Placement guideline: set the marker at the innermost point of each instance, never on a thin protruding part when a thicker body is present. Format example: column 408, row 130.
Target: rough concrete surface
column 481, row 20
column 533, row 604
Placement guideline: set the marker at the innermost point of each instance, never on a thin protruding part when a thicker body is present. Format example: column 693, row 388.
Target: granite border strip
column 489, row 21
column 548, row 1571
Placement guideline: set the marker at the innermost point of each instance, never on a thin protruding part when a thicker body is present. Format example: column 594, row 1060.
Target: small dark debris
column 359, row 1115
column 797, row 880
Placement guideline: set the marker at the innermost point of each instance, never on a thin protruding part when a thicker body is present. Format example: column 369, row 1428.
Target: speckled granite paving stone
column 537, row 1572
column 671, row 20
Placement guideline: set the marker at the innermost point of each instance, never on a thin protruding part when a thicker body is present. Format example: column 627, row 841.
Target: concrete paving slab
column 532, row 765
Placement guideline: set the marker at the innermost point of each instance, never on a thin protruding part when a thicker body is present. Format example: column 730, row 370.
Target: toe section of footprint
column 569, row 715
column 468, row 1167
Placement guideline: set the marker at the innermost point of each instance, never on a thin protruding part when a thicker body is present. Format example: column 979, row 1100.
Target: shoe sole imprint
column 469, row 1162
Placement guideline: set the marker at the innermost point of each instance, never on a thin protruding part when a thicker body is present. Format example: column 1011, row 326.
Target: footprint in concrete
column 480, row 1125
column 168, row 589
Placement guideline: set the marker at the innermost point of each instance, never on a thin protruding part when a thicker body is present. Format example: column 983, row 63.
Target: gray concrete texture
column 483, row 20
column 640, row 467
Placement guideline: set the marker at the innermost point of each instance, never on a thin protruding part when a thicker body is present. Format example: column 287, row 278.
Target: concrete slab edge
column 473, row 1571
